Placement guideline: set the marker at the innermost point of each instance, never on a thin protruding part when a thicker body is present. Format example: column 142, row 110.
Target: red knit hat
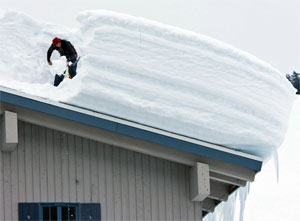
column 55, row 40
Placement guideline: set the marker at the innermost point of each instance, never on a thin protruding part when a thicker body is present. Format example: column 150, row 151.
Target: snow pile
column 24, row 45
column 157, row 75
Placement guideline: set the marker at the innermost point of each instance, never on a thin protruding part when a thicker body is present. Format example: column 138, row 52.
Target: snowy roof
column 156, row 75
column 131, row 129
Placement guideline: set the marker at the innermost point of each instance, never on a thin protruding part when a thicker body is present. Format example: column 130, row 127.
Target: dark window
column 72, row 213
column 68, row 213
column 65, row 213
column 49, row 213
column 46, row 213
column 53, row 213
column 59, row 211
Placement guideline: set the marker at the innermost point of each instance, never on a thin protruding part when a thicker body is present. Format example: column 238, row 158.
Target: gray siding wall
column 51, row 166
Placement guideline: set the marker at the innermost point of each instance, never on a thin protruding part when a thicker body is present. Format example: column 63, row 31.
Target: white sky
column 269, row 200
column 268, row 29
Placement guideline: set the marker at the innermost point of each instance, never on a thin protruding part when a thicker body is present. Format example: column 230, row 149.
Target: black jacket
column 66, row 49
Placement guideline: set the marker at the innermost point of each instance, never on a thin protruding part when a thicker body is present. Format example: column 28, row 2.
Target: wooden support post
column 199, row 182
column 9, row 131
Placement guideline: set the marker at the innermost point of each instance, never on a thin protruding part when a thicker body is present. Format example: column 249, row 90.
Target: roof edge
column 132, row 129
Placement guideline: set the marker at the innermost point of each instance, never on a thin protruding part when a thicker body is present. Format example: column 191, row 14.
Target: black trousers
column 72, row 67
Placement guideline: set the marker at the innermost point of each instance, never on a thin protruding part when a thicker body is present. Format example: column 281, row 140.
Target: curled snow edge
column 154, row 74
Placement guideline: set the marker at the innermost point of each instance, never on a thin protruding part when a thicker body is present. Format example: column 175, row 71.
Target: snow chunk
column 154, row 74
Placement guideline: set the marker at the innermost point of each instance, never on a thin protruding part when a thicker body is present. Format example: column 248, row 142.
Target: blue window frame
column 60, row 211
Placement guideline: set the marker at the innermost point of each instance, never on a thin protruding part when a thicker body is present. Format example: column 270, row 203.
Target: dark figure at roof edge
column 295, row 80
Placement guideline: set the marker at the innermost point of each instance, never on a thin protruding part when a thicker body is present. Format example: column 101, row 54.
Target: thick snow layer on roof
column 153, row 74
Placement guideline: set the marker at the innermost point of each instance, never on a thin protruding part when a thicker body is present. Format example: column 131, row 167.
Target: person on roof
column 65, row 48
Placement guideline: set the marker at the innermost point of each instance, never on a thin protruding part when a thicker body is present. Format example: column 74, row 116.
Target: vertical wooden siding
column 51, row 166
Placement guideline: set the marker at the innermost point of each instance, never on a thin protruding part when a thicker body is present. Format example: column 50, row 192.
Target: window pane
column 64, row 213
column 53, row 213
column 46, row 213
column 72, row 213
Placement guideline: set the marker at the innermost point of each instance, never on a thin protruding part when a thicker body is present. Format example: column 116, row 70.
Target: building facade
column 64, row 163
column 53, row 166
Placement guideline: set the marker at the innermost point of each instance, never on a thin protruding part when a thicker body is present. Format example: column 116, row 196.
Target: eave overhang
column 131, row 129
